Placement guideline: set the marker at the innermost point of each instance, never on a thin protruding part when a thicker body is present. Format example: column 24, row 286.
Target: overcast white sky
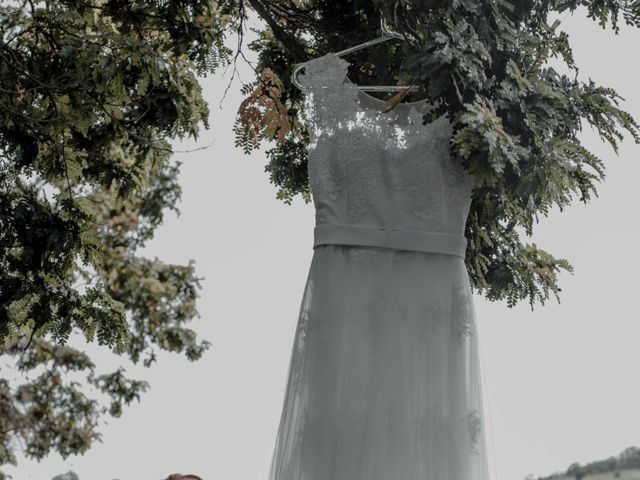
column 560, row 382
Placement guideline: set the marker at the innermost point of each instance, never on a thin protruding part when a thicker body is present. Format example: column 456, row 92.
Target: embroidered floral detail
column 328, row 179
column 474, row 427
column 416, row 179
column 461, row 314
column 305, row 309
column 322, row 78
column 363, row 176
column 458, row 313
column 359, row 154
column 327, row 182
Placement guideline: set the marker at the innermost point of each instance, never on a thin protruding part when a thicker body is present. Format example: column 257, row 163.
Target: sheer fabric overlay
column 383, row 380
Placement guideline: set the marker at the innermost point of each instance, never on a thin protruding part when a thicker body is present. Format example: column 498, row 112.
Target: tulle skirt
column 384, row 377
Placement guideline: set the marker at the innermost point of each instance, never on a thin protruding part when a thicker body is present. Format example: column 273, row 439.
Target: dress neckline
column 378, row 102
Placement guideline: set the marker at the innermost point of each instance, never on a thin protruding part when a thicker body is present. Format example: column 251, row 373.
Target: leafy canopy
column 91, row 92
column 515, row 119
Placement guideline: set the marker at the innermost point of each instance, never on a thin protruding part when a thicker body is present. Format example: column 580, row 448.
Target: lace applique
column 461, row 314
column 320, row 79
column 474, row 427
column 326, row 182
column 363, row 176
column 421, row 197
column 305, row 315
column 329, row 180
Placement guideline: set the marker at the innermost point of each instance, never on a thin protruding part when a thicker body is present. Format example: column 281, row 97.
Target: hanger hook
column 386, row 31
column 294, row 75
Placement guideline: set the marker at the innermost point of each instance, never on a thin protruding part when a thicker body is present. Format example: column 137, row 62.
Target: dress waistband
column 390, row 237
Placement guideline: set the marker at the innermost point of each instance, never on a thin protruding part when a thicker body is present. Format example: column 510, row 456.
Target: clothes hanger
column 386, row 35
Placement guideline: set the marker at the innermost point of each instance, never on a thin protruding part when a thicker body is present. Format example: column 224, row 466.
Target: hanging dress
column 384, row 376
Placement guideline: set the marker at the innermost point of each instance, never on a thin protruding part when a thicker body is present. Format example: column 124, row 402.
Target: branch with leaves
column 515, row 118
column 91, row 93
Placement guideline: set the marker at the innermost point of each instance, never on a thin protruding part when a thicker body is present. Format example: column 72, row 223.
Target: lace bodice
column 374, row 168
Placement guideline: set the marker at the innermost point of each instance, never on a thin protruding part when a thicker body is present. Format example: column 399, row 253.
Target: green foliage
column 628, row 459
column 515, row 118
column 91, row 92
column 604, row 11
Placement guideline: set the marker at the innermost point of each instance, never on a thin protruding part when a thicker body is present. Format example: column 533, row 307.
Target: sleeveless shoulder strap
column 328, row 103
column 324, row 73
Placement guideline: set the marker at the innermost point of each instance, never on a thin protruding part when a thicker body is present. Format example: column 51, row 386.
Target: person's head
column 179, row 476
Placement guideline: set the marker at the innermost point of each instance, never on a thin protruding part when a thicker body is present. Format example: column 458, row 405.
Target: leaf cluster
column 516, row 119
column 91, row 93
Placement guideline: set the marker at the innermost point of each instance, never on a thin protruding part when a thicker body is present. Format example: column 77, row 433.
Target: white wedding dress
column 384, row 376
